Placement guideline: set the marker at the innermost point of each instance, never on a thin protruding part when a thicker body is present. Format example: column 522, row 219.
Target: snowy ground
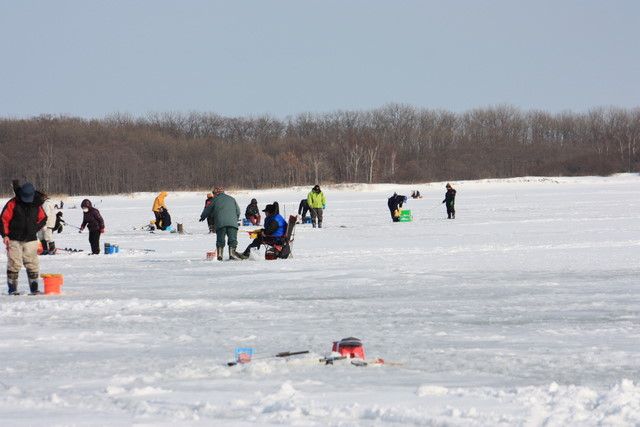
column 525, row 310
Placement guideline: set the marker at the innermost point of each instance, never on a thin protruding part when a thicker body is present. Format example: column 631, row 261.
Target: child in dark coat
column 94, row 222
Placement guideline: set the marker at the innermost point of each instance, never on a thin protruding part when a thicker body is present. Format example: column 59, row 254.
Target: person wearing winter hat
column 210, row 223
column 317, row 203
column 94, row 222
column 450, row 201
column 20, row 221
column 252, row 213
column 275, row 227
column 45, row 235
column 225, row 212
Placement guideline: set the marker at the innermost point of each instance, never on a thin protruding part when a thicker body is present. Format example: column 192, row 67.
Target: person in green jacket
column 225, row 213
column 317, row 202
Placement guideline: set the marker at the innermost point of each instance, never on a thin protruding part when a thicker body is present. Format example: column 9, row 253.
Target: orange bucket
column 52, row 283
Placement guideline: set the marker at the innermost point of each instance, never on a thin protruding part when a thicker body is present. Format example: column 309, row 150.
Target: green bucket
column 405, row 216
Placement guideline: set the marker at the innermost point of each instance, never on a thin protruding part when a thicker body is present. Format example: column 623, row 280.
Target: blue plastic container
column 246, row 222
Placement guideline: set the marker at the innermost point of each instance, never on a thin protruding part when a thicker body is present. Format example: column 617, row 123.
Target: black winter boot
column 12, row 282
column 33, row 287
column 45, row 247
column 52, row 248
column 13, row 287
column 219, row 252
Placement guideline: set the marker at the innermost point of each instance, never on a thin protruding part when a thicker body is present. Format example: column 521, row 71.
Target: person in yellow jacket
column 159, row 206
column 317, row 203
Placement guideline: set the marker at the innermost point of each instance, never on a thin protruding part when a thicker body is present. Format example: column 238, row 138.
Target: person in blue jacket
column 275, row 228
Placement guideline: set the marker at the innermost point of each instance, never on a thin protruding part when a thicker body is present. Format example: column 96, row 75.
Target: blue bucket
column 246, row 222
column 108, row 249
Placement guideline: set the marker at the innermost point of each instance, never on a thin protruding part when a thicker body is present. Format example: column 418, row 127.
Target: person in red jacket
column 20, row 221
column 94, row 222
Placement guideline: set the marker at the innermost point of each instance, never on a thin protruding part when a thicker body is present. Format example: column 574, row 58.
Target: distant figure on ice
column 275, row 227
column 165, row 220
column 450, row 201
column 394, row 203
column 210, row 223
column 252, row 213
column 20, row 221
column 94, row 222
column 225, row 212
column 317, row 203
column 303, row 209
column 45, row 235
column 416, row 195
column 158, row 205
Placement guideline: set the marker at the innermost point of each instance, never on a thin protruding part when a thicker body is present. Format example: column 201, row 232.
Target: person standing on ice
column 158, row 206
column 210, row 223
column 45, row 235
column 94, row 222
column 225, row 212
column 252, row 213
column 450, row 201
column 20, row 221
column 317, row 203
column 394, row 203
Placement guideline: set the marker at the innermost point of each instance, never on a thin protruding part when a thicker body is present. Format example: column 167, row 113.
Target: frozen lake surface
column 525, row 310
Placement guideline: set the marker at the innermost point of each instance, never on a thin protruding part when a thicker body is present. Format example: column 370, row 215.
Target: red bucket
column 52, row 283
column 211, row 255
column 350, row 347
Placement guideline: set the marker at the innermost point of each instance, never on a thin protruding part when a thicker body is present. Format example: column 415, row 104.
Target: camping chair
column 281, row 247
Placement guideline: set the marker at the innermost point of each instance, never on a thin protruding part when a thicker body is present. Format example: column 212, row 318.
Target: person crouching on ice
column 158, row 205
column 94, row 222
column 20, row 221
column 252, row 213
column 394, row 203
column 275, row 227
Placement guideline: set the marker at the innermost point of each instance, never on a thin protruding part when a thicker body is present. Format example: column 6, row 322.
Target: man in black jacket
column 450, row 201
column 20, row 221
column 394, row 203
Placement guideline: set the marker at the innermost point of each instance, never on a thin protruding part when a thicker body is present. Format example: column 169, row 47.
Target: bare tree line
column 395, row 143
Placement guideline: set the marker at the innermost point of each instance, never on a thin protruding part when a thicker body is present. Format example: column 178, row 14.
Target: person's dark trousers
column 451, row 211
column 94, row 240
column 304, row 211
column 316, row 216
column 158, row 218
column 232, row 237
column 260, row 240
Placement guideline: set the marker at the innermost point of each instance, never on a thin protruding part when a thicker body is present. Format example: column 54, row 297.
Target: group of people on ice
column 222, row 214
column 395, row 202
column 30, row 218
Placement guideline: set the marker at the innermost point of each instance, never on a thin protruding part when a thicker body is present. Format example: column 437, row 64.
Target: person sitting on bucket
column 275, row 227
column 252, row 213
column 158, row 205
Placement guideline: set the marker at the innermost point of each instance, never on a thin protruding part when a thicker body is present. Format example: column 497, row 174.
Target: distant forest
column 395, row 143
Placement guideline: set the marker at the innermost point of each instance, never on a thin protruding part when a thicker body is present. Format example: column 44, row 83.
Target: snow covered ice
column 525, row 310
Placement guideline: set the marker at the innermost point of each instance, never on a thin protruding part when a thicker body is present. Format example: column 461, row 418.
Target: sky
column 280, row 58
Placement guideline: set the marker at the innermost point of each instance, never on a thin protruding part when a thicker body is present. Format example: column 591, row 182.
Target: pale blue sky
column 93, row 58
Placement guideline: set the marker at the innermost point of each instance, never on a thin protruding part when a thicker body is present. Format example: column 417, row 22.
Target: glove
column 201, row 219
